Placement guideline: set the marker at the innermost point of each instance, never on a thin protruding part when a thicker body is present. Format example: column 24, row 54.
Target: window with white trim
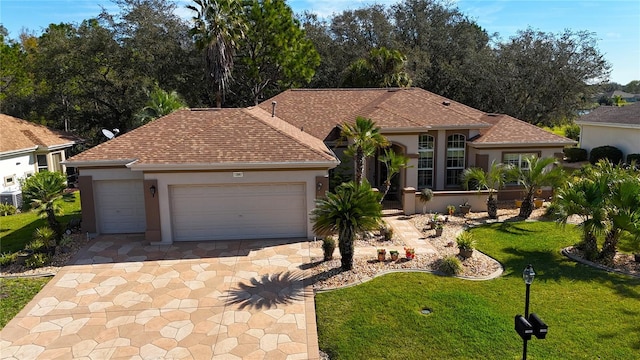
column 455, row 158
column 425, row 161
column 42, row 162
column 517, row 160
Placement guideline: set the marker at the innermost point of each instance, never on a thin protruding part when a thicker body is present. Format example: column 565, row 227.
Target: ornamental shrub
column 632, row 157
column 611, row 153
column 450, row 265
column 7, row 209
column 572, row 132
column 574, row 154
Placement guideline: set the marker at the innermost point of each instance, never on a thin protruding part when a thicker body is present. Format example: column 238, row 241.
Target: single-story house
column 208, row 174
column 617, row 126
column 25, row 149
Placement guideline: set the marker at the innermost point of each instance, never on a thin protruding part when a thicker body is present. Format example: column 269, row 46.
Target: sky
column 616, row 23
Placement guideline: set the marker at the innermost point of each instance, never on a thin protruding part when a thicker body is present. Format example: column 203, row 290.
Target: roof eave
column 397, row 130
column 60, row 146
column 329, row 164
column 18, row 152
column 99, row 163
column 521, row 145
column 608, row 124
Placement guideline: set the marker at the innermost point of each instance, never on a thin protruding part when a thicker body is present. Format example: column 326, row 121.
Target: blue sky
column 616, row 23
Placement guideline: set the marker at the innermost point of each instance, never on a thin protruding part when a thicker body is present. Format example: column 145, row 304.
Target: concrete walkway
column 212, row 300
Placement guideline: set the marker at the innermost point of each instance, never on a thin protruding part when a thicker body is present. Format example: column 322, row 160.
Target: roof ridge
column 285, row 128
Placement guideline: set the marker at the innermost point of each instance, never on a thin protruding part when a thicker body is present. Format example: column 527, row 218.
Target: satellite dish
column 108, row 134
column 116, row 131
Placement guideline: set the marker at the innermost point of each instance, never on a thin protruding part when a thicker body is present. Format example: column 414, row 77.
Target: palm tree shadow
column 268, row 291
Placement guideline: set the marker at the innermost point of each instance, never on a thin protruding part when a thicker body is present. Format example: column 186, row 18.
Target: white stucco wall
column 626, row 139
column 213, row 178
column 18, row 166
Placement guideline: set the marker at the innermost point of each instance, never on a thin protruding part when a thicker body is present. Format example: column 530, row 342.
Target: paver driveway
column 210, row 300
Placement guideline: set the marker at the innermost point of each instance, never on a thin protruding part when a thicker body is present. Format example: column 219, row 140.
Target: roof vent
column 446, row 103
column 493, row 114
column 273, row 108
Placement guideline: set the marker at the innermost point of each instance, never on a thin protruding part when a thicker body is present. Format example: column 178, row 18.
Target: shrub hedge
column 611, row 153
column 574, row 154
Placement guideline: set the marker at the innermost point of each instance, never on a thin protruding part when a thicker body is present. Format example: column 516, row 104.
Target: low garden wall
column 411, row 203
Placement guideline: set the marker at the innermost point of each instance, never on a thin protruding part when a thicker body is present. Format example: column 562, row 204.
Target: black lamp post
column 528, row 274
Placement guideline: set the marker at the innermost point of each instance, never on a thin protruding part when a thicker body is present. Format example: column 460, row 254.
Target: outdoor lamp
column 152, row 190
column 528, row 274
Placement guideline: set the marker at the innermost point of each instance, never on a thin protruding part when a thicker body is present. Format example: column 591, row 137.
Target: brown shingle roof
column 625, row 115
column 209, row 137
column 18, row 134
column 506, row 130
column 318, row 111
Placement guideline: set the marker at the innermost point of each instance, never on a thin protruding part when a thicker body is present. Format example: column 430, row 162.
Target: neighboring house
column 628, row 97
column 205, row 174
column 255, row 173
column 617, row 126
column 27, row 148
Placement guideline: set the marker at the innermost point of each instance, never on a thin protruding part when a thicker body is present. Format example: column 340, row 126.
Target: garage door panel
column 238, row 211
column 120, row 206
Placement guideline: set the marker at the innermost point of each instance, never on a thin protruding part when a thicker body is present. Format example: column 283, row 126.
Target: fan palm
column 160, row 103
column 41, row 191
column 538, row 173
column 492, row 180
column 217, row 27
column 351, row 209
column 624, row 212
column 394, row 163
column 365, row 139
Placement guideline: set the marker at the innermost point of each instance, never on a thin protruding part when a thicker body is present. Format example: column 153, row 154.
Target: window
column 9, row 180
column 517, row 160
column 425, row 161
column 42, row 162
column 56, row 159
column 455, row 158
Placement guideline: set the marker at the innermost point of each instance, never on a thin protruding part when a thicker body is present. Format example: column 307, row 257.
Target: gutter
column 233, row 166
column 520, row 145
column 616, row 125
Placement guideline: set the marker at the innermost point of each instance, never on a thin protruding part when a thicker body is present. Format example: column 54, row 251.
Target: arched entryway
column 380, row 175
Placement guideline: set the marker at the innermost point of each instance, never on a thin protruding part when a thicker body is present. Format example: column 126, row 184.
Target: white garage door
column 120, row 206
column 238, row 212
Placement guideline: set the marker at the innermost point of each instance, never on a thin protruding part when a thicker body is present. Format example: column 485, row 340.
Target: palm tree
column 365, row 139
column 492, row 180
column 394, row 163
column 351, row 209
column 160, row 103
column 380, row 68
column 585, row 197
column 217, row 27
column 41, row 191
column 538, row 173
column 624, row 212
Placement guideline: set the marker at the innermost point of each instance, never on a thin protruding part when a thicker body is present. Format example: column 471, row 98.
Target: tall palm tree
column 41, row 191
column 394, row 163
column 539, row 172
column 365, row 139
column 492, row 180
column 353, row 208
column 160, row 103
column 217, row 27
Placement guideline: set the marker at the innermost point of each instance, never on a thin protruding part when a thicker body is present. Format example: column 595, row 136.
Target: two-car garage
column 232, row 211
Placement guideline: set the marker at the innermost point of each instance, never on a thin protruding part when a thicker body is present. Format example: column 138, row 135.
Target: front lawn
column 15, row 294
column 590, row 313
column 17, row 230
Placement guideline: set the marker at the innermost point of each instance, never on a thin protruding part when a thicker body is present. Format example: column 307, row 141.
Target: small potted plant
column 466, row 244
column 434, row 220
column 328, row 246
column 410, row 253
column 451, row 209
column 425, row 196
column 439, row 229
column 394, row 255
column 382, row 254
column 465, row 207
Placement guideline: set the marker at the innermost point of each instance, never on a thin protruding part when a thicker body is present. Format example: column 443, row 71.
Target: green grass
column 17, row 230
column 15, row 294
column 591, row 314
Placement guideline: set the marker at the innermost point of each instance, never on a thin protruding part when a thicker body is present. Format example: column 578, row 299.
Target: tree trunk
column 590, row 246
column 387, row 186
column 359, row 166
column 346, row 247
column 54, row 224
column 492, row 207
column 527, row 206
column 610, row 246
